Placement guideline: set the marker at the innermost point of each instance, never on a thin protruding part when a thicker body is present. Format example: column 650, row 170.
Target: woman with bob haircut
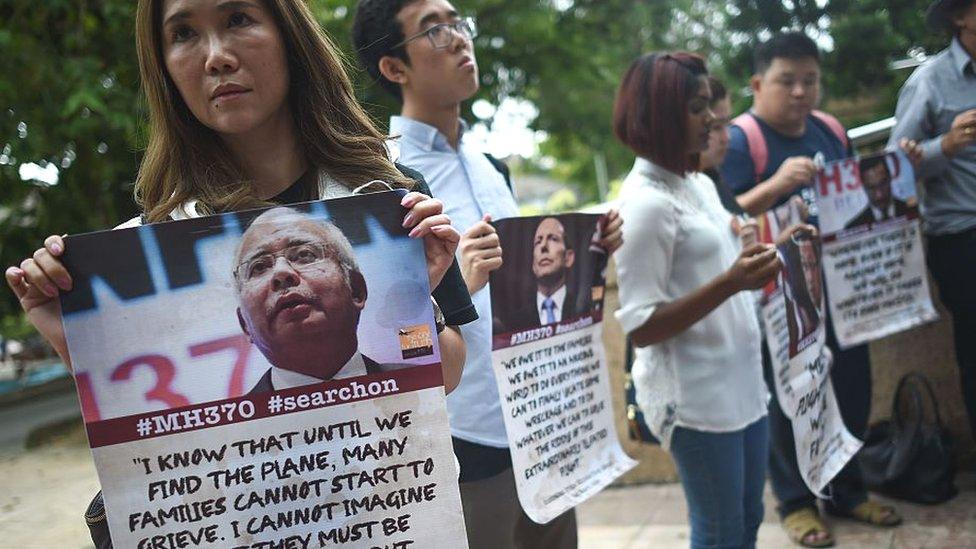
column 683, row 301
column 250, row 106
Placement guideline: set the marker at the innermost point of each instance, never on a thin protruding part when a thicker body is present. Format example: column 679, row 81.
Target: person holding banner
column 250, row 105
column 771, row 158
column 422, row 53
column 684, row 303
column 937, row 107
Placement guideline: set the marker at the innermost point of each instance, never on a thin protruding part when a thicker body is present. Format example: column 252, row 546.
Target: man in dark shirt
column 786, row 88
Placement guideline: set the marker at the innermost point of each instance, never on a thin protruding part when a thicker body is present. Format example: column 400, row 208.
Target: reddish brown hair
column 651, row 112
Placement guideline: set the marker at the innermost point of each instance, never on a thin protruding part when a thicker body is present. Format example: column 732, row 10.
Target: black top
column 724, row 192
column 451, row 294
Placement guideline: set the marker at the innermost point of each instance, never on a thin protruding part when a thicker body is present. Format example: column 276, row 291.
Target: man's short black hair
column 375, row 30
column 873, row 162
column 785, row 45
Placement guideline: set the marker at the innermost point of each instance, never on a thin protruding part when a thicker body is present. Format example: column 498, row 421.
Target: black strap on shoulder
column 502, row 169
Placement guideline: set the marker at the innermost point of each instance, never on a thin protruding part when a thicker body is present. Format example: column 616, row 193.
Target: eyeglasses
column 299, row 256
column 440, row 35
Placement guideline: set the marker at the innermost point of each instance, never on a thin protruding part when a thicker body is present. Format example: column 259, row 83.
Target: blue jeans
column 723, row 476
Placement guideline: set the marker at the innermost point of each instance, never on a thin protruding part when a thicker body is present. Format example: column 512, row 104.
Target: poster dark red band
column 262, row 405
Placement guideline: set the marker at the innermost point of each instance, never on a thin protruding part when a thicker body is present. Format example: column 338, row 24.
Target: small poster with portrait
column 549, row 361
column 264, row 378
column 874, row 263
column 795, row 324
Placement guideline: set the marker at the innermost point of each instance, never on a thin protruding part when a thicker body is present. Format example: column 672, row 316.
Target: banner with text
column 793, row 315
column 550, row 364
column 872, row 247
column 266, row 378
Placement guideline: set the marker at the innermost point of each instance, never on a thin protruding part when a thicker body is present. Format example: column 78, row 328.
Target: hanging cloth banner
column 266, row 378
column 874, row 263
column 793, row 316
column 549, row 361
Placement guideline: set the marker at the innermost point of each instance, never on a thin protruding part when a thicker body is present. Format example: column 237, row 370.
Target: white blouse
column 677, row 238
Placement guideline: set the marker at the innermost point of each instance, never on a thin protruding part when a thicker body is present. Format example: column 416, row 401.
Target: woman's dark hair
column 718, row 90
column 375, row 30
column 650, row 114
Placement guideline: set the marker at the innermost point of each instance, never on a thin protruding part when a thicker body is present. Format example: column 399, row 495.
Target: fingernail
column 56, row 248
column 408, row 221
column 414, row 232
column 51, row 291
column 64, row 283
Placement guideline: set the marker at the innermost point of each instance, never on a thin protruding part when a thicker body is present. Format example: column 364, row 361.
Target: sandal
column 803, row 525
column 873, row 513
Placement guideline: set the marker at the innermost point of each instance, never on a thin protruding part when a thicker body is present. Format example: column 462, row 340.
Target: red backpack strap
column 834, row 125
column 755, row 141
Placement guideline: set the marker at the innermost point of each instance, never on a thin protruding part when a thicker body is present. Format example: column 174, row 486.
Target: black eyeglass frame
column 464, row 26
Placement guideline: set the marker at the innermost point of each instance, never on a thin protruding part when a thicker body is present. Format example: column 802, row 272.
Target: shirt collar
column 961, row 59
column 558, row 297
column 653, row 171
column 286, row 379
column 423, row 135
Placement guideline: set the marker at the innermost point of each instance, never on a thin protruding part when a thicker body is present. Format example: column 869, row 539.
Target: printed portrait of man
column 552, row 259
column 804, row 288
column 300, row 295
column 882, row 205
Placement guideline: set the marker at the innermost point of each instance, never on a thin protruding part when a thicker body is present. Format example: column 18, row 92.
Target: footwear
column 803, row 525
column 873, row 513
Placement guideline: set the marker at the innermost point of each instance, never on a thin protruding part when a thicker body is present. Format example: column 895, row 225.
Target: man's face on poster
column 551, row 259
column 877, row 185
column 293, row 284
column 811, row 270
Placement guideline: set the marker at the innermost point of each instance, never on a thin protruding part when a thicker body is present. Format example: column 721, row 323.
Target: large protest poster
column 872, row 247
column 261, row 379
column 793, row 316
column 550, row 364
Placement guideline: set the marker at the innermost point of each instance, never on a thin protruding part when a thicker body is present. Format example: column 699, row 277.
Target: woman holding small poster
column 683, row 279
column 249, row 106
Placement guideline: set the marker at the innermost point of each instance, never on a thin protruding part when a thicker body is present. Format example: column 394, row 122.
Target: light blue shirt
column 937, row 92
column 470, row 187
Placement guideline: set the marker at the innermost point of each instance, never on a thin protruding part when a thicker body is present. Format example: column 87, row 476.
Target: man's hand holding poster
column 549, row 361
column 794, row 317
column 268, row 378
column 873, row 257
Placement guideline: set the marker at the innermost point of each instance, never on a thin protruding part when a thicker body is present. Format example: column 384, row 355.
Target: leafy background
column 69, row 96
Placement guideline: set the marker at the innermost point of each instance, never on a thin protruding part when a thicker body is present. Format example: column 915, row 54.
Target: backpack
column 502, row 169
column 756, row 141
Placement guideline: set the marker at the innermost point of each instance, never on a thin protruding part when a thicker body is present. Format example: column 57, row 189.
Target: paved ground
column 654, row 516
column 43, row 492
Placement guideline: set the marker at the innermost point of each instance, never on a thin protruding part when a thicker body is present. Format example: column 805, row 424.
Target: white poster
column 793, row 315
column 550, row 364
column 874, row 263
column 261, row 379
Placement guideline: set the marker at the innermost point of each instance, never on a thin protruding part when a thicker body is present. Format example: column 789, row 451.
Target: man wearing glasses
column 421, row 51
column 301, row 293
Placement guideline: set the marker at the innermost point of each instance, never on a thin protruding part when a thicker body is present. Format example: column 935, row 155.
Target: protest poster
column 550, row 364
column 874, row 263
column 793, row 316
column 267, row 378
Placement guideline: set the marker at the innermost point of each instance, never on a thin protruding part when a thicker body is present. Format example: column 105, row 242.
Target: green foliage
column 68, row 72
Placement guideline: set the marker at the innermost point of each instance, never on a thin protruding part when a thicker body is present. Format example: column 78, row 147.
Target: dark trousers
column 952, row 261
column 851, row 377
column 494, row 518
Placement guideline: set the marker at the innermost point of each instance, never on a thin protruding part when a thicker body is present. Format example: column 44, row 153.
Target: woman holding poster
column 683, row 276
column 249, row 106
